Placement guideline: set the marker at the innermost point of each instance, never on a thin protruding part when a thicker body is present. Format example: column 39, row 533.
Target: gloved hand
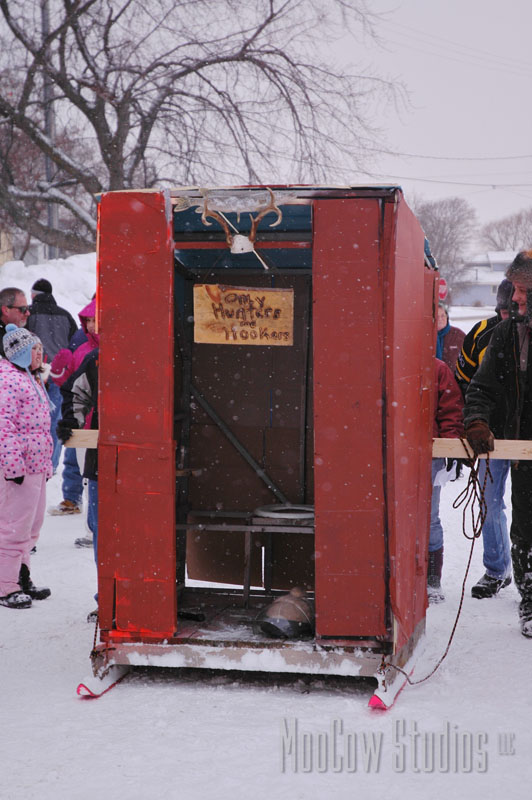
column 19, row 480
column 64, row 429
column 480, row 437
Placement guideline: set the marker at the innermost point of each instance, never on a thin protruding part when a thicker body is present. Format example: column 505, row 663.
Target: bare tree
column 24, row 192
column 510, row 233
column 449, row 226
column 172, row 92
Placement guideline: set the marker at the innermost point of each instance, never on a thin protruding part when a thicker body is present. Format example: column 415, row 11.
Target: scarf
column 36, row 379
column 439, row 342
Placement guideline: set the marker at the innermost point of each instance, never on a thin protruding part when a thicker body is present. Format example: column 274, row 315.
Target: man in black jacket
column 495, row 539
column 503, row 385
column 55, row 327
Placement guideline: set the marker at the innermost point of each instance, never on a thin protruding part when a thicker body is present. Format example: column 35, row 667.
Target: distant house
column 481, row 278
column 12, row 246
column 6, row 247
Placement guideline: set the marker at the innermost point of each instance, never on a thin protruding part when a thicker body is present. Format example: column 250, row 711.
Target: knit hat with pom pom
column 18, row 344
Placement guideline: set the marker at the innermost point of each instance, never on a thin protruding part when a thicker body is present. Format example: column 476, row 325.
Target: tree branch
column 49, row 194
column 69, row 241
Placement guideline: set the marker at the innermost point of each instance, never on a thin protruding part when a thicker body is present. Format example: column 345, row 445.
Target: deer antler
column 262, row 213
column 215, row 215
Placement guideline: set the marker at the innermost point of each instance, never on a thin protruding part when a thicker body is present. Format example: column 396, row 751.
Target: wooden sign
column 243, row 315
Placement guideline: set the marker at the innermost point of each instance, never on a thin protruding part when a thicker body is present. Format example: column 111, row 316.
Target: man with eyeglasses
column 14, row 308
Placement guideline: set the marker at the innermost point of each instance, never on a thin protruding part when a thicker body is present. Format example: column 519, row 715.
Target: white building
column 479, row 282
column 6, row 247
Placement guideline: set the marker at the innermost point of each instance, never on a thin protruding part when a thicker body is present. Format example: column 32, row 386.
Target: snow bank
column 73, row 279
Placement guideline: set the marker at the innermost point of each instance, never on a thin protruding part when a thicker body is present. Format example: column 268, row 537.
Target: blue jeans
column 54, row 393
column 436, row 530
column 72, row 485
column 92, row 520
column 92, row 515
column 497, row 558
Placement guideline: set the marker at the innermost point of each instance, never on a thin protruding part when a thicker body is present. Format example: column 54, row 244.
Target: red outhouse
column 265, row 402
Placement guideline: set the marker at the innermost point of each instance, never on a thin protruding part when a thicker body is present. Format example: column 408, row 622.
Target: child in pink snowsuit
column 25, row 464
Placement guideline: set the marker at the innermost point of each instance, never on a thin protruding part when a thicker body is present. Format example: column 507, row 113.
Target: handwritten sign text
column 243, row 315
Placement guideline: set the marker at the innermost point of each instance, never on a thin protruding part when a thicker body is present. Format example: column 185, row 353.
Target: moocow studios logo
column 408, row 747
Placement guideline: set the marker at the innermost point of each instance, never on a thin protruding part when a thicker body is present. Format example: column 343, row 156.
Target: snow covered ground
column 159, row 734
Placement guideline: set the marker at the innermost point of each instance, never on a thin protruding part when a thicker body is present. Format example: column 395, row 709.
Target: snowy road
column 158, row 735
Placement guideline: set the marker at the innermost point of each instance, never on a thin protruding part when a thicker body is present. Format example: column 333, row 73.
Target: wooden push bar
column 83, row 438
column 512, row 449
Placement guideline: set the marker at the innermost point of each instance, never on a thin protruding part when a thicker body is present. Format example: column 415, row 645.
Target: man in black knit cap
column 55, row 327
column 502, row 385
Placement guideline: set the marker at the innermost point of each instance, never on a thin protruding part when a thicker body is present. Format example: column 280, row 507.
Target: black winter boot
column 16, row 600
column 434, row 570
column 488, row 586
column 28, row 587
column 525, row 616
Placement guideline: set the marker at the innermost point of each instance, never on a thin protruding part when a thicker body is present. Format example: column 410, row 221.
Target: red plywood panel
column 136, row 543
column 136, row 506
column 142, row 528
column 409, row 382
column 136, row 263
column 348, row 418
column 143, row 600
column 147, row 471
column 348, row 448
column 137, row 479
column 351, row 592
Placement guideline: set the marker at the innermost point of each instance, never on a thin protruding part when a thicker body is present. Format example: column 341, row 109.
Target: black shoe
column 28, row 587
column 488, row 586
column 16, row 600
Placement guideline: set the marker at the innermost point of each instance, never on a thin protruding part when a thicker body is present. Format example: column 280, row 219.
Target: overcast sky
column 467, row 65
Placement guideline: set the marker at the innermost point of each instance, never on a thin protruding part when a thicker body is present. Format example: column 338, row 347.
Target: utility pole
column 49, row 129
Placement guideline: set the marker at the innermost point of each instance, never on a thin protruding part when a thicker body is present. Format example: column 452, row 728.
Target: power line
column 459, row 58
column 466, row 49
column 459, row 183
column 463, row 54
column 450, row 158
